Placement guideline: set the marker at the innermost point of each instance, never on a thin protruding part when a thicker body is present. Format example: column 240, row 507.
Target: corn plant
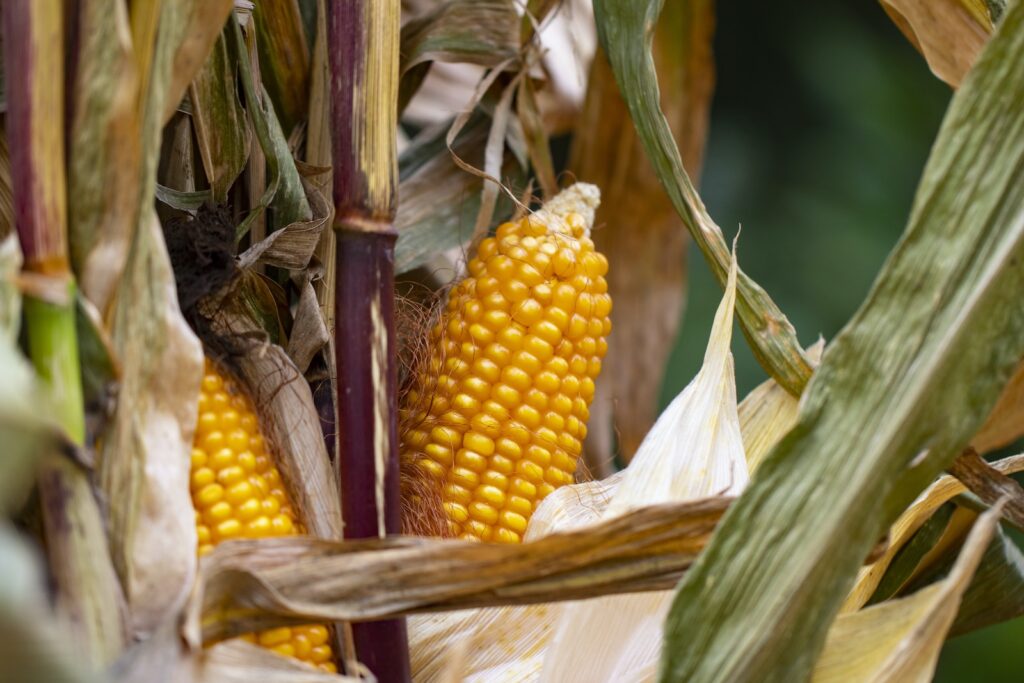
column 317, row 359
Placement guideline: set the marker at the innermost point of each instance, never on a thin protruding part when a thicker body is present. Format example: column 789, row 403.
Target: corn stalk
column 88, row 590
column 363, row 51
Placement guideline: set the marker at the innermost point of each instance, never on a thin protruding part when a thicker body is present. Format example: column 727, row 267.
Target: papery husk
column 943, row 490
column 249, row 585
column 899, row 640
column 104, row 151
column 694, row 450
column 767, row 413
column 144, row 452
column 949, row 33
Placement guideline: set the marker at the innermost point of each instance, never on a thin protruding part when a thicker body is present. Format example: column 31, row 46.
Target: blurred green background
column 821, row 124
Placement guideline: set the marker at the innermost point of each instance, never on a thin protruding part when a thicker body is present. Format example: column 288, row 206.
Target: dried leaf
column 205, row 20
column 293, row 245
column 440, row 201
column 949, row 33
column 643, row 238
column 252, row 585
column 104, row 151
column 318, row 153
column 284, row 192
column 144, row 452
column 899, row 640
column 482, row 32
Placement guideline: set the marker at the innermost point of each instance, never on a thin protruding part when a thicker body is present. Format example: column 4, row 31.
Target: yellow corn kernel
column 526, row 330
column 237, row 493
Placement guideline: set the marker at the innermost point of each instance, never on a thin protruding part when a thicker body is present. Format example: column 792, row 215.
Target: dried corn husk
column 899, row 640
column 910, row 521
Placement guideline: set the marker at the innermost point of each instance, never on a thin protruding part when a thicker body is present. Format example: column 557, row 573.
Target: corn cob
column 498, row 416
column 237, row 493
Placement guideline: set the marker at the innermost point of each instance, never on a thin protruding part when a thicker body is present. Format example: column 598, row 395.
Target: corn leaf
column 205, row 19
column 997, row 592
column 103, row 182
column 144, row 452
column 221, row 124
column 284, row 193
column 253, row 585
column 440, row 201
column 948, row 33
column 284, row 59
column 624, row 31
column 482, row 32
column 643, row 237
column 939, row 325
column 899, row 641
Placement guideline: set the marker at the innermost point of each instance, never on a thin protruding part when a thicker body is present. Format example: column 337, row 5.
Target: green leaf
column 625, row 30
column 221, row 124
column 284, row 192
column 897, row 396
column 284, row 58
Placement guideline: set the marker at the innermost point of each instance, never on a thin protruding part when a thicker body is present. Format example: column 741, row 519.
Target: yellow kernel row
column 238, row 493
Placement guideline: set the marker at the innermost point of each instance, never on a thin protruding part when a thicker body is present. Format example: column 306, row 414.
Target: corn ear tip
column 578, row 198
